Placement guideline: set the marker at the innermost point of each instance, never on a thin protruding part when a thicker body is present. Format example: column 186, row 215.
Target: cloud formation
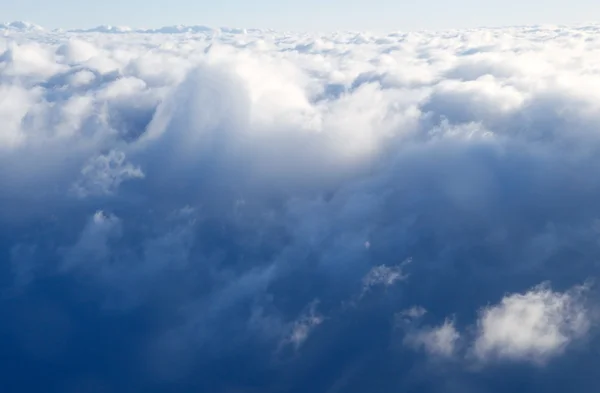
column 437, row 341
column 534, row 325
column 229, row 210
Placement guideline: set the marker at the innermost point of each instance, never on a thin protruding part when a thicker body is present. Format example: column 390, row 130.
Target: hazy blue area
column 301, row 15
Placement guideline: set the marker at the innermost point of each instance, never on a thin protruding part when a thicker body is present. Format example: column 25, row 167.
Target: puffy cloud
column 177, row 198
column 77, row 51
column 437, row 341
column 532, row 326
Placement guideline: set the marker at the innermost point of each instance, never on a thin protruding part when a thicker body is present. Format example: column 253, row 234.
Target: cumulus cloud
column 177, row 198
column 533, row 326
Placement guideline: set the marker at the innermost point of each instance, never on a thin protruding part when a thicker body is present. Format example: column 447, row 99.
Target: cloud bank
column 227, row 210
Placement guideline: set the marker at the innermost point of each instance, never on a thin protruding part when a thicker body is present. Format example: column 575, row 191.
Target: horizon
column 156, row 28
column 309, row 15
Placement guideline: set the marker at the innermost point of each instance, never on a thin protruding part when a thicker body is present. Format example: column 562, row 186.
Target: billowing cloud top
column 189, row 209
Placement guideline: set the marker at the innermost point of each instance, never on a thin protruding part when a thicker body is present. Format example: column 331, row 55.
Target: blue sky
column 300, row 15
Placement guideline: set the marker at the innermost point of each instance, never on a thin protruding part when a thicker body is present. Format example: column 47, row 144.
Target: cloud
column 302, row 327
column 103, row 174
column 77, row 51
column 21, row 26
column 382, row 275
column 531, row 326
column 177, row 198
column 92, row 245
column 436, row 341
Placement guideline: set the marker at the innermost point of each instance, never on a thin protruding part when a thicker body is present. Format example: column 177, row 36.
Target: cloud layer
column 228, row 210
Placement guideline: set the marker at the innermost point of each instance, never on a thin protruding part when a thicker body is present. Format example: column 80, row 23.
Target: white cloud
column 383, row 275
column 21, row 26
column 533, row 326
column 301, row 328
column 77, row 51
column 30, row 60
column 103, row 175
column 15, row 102
column 410, row 315
column 436, row 341
column 91, row 251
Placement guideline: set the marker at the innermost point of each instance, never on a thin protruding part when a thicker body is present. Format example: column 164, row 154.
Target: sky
column 300, row 15
column 254, row 211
